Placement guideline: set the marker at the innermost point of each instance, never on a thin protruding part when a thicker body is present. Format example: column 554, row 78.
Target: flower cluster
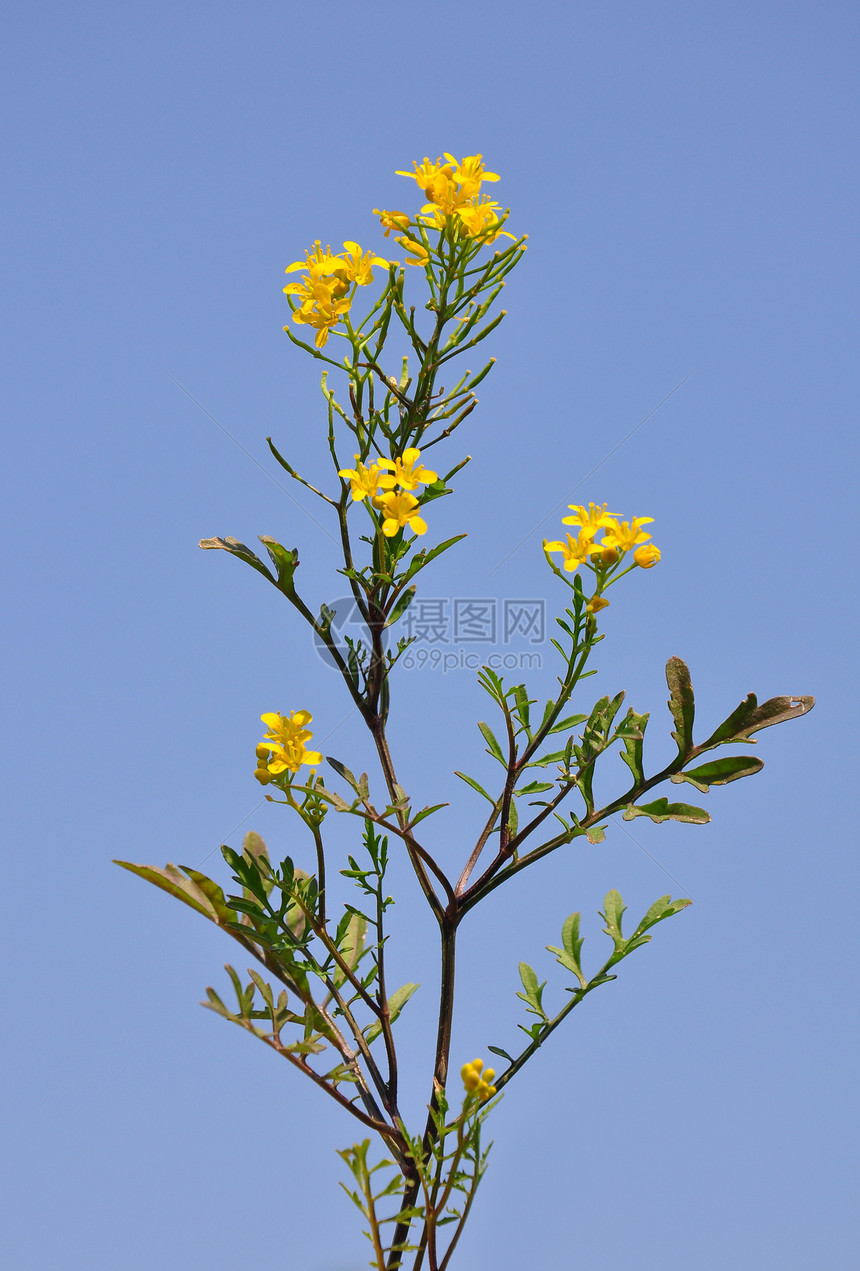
column 325, row 292
column 453, row 191
column 388, row 484
column 283, row 749
column 477, row 1079
column 604, row 556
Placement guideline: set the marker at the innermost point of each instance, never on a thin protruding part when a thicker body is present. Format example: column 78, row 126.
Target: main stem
column 448, row 932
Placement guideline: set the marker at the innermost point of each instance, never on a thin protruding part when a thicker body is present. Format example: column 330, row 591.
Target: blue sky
column 685, row 175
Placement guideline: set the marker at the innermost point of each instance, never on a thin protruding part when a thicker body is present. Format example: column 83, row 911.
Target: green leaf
column 720, row 772
column 351, row 945
column 521, row 699
column 197, row 891
column 470, row 781
column 404, row 600
column 533, row 990
column 749, row 717
column 613, row 910
column 663, row 810
column 530, row 981
column 665, row 907
column 396, row 1003
column 344, row 772
column 535, row 787
column 494, row 748
column 428, row 811
column 235, row 548
column 681, row 704
column 569, row 955
column 215, row 1004
column 571, row 722
column 286, row 562
column 633, row 739
column 503, row 1054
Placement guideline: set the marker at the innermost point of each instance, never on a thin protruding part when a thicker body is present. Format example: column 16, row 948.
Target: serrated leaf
column 749, row 717
column 662, row 810
column 396, row 1003
column 681, row 704
column 720, row 772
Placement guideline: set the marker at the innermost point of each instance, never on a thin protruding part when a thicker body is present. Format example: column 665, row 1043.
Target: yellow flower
column 477, row 1079
column 435, row 179
column 319, row 264
column 470, row 172
column 323, row 304
column 625, row 534
column 479, row 219
column 450, row 185
column 363, row 481
column 283, row 749
column 416, row 249
column 404, row 473
column 359, row 265
column 575, row 551
column 391, row 220
column 647, row 555
column 590, row 519
column 399, row 510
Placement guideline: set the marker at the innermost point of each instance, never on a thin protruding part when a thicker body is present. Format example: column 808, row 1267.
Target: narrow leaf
column 470, row 781
column 494, row 747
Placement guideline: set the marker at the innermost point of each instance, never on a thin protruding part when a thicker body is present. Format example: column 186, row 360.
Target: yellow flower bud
column 647, row 555
column 596, row 603
column 262, row 752
column 263, row 776
column 609, row 555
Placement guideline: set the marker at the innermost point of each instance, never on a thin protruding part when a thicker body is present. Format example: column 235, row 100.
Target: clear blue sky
column 687, row 176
